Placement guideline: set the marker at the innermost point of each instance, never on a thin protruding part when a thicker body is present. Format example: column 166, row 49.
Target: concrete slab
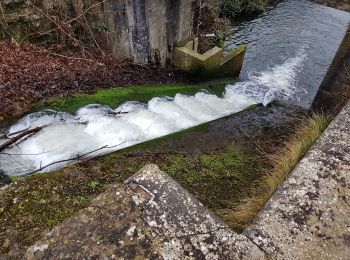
column 151, row 216
column 308, row 218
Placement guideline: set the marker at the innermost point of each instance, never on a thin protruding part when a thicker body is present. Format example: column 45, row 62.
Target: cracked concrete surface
column 151, row 216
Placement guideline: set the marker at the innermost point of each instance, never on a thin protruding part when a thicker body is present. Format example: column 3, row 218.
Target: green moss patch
column 218, row 179
column 113, row 97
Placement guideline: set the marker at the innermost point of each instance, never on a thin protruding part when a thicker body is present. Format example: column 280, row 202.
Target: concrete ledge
column 211, row 64
column 309, row 216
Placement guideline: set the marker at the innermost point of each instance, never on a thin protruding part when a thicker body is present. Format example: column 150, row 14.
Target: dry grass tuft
column 283, row 163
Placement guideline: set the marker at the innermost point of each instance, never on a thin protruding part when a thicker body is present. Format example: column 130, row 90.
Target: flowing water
column 289, row 50
column 286, row 30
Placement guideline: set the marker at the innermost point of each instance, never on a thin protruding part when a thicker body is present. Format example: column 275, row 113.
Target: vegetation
column 283, row 163
column 115, row 96
column 232, row 8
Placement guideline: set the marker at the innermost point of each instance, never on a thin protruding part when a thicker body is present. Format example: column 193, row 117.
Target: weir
column 97, row 126
column 288, row 71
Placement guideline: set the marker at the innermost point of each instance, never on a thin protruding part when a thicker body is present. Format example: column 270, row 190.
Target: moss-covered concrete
column 211, row 64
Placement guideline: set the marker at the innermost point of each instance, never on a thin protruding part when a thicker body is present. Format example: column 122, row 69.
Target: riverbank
column 339, row 4
column 31, row 75
column 306, row 218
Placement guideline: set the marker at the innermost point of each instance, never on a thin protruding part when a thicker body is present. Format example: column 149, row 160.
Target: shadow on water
column 334, row 91
column 4, row 179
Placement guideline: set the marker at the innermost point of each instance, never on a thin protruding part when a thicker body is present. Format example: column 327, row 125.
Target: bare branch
column 17, row 138
column 77, row 158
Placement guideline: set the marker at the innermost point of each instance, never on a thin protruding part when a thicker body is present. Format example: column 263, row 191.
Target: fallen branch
column 15, row 133
column 75, row 58
column 15, row 139
column 25, row 154
column 77, row 158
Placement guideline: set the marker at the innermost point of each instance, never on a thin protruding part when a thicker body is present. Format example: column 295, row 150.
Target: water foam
column 97, row 126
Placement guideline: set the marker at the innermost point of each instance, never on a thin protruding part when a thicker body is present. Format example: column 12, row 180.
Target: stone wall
column 142, row 30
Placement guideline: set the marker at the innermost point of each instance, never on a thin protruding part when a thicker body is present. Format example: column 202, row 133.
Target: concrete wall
column 146, row 30
column 142, row 30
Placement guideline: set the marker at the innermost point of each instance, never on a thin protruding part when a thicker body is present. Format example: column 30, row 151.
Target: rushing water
column 280, row 56
column 284, row 30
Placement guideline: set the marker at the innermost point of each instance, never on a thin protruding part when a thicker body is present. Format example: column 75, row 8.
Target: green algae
column 114, row 97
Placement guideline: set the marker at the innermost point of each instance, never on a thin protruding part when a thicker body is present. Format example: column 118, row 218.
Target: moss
column 113, row 97
column 217, row 179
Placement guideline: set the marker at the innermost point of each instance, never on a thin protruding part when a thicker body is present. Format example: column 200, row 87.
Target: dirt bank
column 339, row 4
column 30, row 74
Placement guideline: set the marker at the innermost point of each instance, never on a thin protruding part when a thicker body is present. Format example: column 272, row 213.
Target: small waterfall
column 97, row 126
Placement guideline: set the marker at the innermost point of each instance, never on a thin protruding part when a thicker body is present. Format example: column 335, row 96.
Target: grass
column 283, row 163
column 113, row 97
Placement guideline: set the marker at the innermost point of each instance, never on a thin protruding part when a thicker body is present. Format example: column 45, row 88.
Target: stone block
column 150, row 216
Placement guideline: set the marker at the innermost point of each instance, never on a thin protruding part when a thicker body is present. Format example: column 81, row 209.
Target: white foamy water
column 67, row 136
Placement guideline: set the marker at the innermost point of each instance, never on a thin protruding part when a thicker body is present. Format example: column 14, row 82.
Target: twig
column 86, row 10
column 25, row 154
column 16, row 161
column 19, row 137
column 5, row 26
column 72, row 58
column 77, row 158
column 78, row 6
column 58, row 25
